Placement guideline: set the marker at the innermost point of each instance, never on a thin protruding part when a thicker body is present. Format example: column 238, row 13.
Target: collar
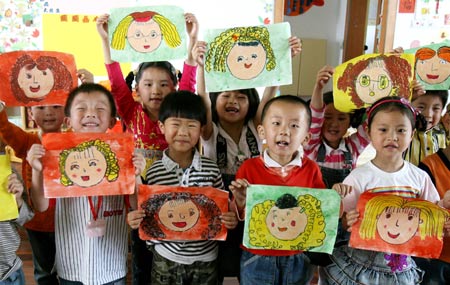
column 341, row 147
column 170, row 165
column 269, row 162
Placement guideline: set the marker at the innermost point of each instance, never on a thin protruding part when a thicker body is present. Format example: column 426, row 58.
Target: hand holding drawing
column 198, row 52
column 34, row 156
column 138, row 162
column 349, row 219
column 239, row 190
column 192, row 31
column 229, row 220
column 417, row 89
column 85, row 76
column 296, row 45
column 15, row 187
column 134, row 218
column 102, row 29
column 342, row 189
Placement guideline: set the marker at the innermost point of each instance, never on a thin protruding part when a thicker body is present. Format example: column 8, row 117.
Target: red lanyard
column 91, row 205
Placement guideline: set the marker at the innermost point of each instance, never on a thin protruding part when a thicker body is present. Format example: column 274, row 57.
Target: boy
column 285, row 127
column 427, row 142
column 81, row 259
column 181, row 118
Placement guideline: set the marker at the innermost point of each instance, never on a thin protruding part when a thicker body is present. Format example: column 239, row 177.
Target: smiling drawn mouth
column 247, row 65
column 179, row 224
column 85, row 178
column 147, row 46
column 35, row 89
column 393, row 236
column 431, row 76
column 282, row 229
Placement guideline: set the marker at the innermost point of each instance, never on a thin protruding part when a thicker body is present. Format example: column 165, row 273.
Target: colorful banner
column 182, row 213
column 363, row 80
column 88, row 164
column 291, row 218
column 247, row 57
column 399, row 225
column 31, row 78
column 7, row 200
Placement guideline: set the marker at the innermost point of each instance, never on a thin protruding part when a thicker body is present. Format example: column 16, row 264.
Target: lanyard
column 91, row 205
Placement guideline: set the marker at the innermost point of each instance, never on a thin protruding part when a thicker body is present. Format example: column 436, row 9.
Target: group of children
column 305, row 145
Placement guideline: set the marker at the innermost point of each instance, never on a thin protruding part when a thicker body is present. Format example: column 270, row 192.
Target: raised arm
column 102, row 29
column 34, row 156
column 323, row 76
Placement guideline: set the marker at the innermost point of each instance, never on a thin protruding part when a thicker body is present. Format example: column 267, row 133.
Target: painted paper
column 31, row 78
column 88, row 164
column 291, row 218
column 182, row 213
column 298, row 7
column 432, row 65
column 152, row 33
column 399, row 225
column 7, row 200
column 363, row 80
column 247, row 57
column 406, row 6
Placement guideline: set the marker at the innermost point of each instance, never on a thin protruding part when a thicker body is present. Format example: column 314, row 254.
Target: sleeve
column 25, row 212
column 429, row 192
column 425, row 168
column 188, row 78
column 359, row 140
column 317, row 119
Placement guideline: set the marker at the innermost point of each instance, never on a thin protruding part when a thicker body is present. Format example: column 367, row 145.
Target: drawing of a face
column 144, row 36
column 373, row 83
column 434, row 70
column 86, row 168
column 179, row 215
column 35, row 83
column 286, row 224
column 246, row 61
column 397, row 225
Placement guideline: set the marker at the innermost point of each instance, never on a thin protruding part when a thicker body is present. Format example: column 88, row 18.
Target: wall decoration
column 78, row 164
column 182, row 213
column 399, row 225
column 291, row 218
column 298, row 7
column 7, row 200
column 361, row 81
column 247, row 57
column 406, row 6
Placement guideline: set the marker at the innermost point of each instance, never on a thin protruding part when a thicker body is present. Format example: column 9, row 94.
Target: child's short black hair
column 442, row 94
column 183, row 104
column 89, row 88
column 164, row 65
column 287, row 99
column 253, row 103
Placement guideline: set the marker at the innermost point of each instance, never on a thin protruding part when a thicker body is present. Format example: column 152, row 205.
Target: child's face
column 35, row 83
column 373, row 82
column 154, row 85
column 48, row 118
column 285, row 127
column 86, row 168
column 391, row 133
column 232, row 106
column 90, row 113
column 335, row 125
column 397, row 226
column 181, row 134
column 246, row 61
column 144, row 37
column 430, row 107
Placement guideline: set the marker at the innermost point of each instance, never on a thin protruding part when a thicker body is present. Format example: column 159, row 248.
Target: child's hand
column 296, row 45
column 446, row 200
column 239, row 190
column 15, row 187
column 397, row 51
column 34, row 156
column 323, row 76
column 85, row 76
column 447, row 228
column 138, row 162
column 342, row 189
column 417, row 89
column 349, row 219
column 198, row 52
column 191, row 25
column 134, row 218
column 102, row 26
column 229, row 220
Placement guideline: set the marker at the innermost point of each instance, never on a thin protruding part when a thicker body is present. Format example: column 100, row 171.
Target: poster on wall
column 363, row 80
column 247, row 57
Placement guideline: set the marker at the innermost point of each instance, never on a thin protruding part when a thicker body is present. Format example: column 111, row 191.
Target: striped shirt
column 334, row 158
column 424, row 144
column 202, row 172
column 91, row 260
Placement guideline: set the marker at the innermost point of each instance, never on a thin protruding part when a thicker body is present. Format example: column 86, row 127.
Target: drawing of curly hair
column 222, row 44
column 62, row 76
column 208, row 208
column 169, row 31
column 398, row 69
column 432, row 225
column 313, row 235
column 112, row 165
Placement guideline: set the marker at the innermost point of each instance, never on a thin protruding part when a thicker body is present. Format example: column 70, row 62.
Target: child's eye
column 295, row 126
column 164, row 84
column 276, row 123
column 402, row 130
column 382, row 129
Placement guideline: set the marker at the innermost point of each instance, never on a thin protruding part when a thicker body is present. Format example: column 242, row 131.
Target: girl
column 391, row 123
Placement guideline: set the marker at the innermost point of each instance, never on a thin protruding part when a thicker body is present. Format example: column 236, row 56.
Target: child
column 41, row 229
column 285, row 126
column 429, row 139
column 335, row 154
column 181, row 118
column 81, row 259
column 391, row 123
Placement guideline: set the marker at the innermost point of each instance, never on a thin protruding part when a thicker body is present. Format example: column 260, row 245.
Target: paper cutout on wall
column 7, row 200
column 298, row 7
column 79, row 164
column 247, row 57
column 399, row 225
column 291, row 218
column 432, row 65
column 153, row 33
column 182, row 213
column 361, row 81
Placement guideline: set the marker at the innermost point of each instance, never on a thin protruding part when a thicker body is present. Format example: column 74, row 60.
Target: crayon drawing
column 147, row 33
column 361, row 81
column 88, row 164
column 7, row 200
column 291, row 218
column 182, row 213
column 247, row 57
column 399, row 225
column 36, row 77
